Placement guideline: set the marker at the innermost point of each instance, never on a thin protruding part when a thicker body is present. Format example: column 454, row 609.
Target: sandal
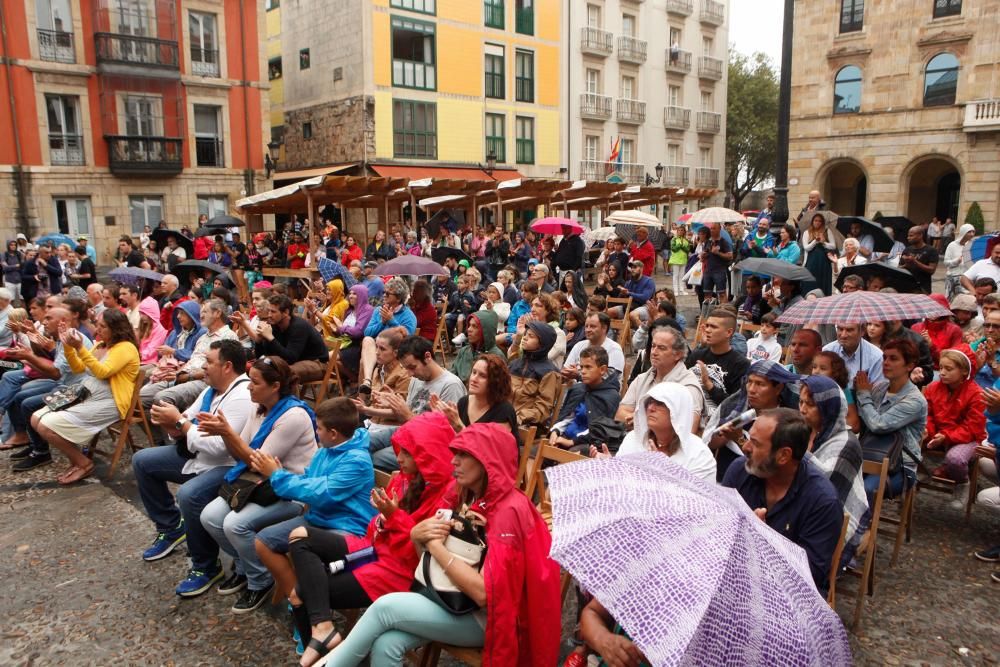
column 7, row 446
column 300, row 617
column 321, row 648
column 75, row 474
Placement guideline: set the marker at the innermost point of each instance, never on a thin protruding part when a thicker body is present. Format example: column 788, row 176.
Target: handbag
column 65, row 397
column 877, row 446
column 248, row 487
column 467, row 544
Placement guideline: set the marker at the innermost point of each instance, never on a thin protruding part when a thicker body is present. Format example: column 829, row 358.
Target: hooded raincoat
column 462, row 366
column 523, row 616
column 184, row 342
column 356, row 319
column 500, row 308
column 944, row 334
column 535, row 380
column 157, row 334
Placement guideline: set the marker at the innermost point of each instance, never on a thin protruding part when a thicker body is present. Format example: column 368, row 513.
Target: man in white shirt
column 128, row 296
column 596, row 329
column 198, row 463
column 857, row 353
column 984, row 268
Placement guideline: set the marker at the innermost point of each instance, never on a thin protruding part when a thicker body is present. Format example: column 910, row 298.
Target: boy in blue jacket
column 336, row 486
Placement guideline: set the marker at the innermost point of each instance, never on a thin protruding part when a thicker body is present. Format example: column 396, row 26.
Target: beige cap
column 965, row 302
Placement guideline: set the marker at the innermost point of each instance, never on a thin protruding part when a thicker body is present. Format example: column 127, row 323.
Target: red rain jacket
column 203, row 245
column 523, row 615
column 959, row 416
column 426, row 438
column 646, row 254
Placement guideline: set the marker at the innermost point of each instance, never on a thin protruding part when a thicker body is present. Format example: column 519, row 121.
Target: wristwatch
column 179, row 424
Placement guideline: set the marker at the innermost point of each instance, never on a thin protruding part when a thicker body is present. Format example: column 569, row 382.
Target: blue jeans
column 893, row 487
column 40, row 388
column 383, row 456
column 235, row 532
column 399, row 622
column 153, row 468
column 10, row 384
column 20, row 410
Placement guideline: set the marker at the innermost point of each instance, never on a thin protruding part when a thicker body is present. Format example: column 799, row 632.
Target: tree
column 751, row 124
column 975, row 217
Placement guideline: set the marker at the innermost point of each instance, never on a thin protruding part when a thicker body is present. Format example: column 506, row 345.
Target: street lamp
column 271, row 158
column 659, row 172
column 491, row 162
column 780, row 216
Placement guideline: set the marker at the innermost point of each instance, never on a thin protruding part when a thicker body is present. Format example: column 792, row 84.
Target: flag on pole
column 615, row 154
column 330, row 269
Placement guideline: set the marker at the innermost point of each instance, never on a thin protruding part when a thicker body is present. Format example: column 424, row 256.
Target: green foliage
column 975, row 218
column 751, row 124
column 878, row 216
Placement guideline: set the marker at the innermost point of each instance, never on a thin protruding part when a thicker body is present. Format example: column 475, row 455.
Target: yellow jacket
column 120, row 367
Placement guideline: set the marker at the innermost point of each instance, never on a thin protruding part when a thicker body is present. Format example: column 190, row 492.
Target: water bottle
column 744, row 418
column 354, row 560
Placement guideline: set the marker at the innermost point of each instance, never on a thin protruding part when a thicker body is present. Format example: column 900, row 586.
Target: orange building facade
column 117, row 114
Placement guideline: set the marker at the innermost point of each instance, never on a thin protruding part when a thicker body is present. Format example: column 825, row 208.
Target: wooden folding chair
column 748, row 328
column 537, row 485
column 948, row 486
column 382, row 479
column 320, row 388
column 902, row 521
column 625, row 373
column 441, row 335
column 556, row 406
column 120, row 432
column 831, row 595
column 621, row 326
column 527, row 434
column 866, row 575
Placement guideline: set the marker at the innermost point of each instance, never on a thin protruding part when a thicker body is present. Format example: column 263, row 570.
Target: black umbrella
column 440, row 219
column 900, row 280
column 209, row 231
column 161, row 236
column 900, row 225
column 882, row 241
column 775, row 267
column 132, row 275
column 442, row 253
column 225, row 221
column 184, row 269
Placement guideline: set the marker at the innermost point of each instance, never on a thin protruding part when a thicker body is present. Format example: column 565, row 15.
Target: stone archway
column 845, row 187
column 933, row 186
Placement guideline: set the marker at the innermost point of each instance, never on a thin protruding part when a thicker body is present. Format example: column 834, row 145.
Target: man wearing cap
column 642, row 250
column 91, row 253
column 376, row 288
column 639, row 286
column 966, row 312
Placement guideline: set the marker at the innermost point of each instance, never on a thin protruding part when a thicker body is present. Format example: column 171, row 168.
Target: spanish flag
column 616, row 148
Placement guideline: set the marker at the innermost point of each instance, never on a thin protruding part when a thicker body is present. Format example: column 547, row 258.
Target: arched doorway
column 845, row 188
column 933, row 190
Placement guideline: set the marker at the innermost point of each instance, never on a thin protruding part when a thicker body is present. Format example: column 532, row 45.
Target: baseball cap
column 965, row 302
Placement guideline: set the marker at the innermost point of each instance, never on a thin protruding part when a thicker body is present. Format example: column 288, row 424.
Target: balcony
column 676, row 118
column 712, row 13
column 147, row 52
column 982, row 116
column 596, row 42
column 709, row 122
column 710, row 68
column 675, row 175
column 595, row 106
column 706, row 178
column 208, row 152
column 632, row 50
column 204, row 62
column 678, row 61
column 680, row 7
column 599, row 170
column 632, row 112
column 66, row 150
column 56, row 46
column 139, row 155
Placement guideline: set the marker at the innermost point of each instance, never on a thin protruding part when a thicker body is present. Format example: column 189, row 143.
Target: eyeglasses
column 987, row 325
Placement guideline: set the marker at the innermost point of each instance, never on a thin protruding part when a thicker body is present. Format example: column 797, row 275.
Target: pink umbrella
column 555, row 226
column 684, row 218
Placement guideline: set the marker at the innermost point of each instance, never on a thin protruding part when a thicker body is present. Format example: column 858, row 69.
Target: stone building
column 118, row 115
column 896, row 107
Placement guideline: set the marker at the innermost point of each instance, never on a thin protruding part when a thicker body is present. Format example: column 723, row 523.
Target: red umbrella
column 555, row 226
column 861, row 307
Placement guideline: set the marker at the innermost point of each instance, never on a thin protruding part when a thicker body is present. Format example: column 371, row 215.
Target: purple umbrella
column 411, row 265
column 687, row 569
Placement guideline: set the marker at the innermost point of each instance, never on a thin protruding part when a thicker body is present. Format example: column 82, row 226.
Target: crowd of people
column 285, row 488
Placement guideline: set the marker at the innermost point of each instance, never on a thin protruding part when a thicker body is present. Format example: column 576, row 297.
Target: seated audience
column 393, row 312
column 857, row 353
column 388, row 375
column 488, row 400
column 764, row 345
column 480, row 340
column 752, row 305
column 461, row 304
column 595, row 396
column 956, row 420
column 829, row 364
column 596, row 329
column 803, row 348
column 151, row 334
column 573, row 324
column 350, row 330
column 424, row 312
column 535, row 380
column 522, row 307
column 289, row 337
column 493, row 301
column 719, row 367
column 543, row 309
column 939, row 333
column 667, row 350
column 791, row 495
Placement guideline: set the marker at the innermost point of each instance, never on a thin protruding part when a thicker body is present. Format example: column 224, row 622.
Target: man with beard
column 792, row 496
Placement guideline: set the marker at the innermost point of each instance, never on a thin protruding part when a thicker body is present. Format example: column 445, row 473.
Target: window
column 271, row 4
column 847, row 90
column 524, row 76
column 422, row 6
column 525, row 136
column 675, row 37
column 852, row 15
column 496, row 142
column 706, row 156
column 673, row 154
column 204, row 44
column 55, row 31
column 947, row 8
column 594, row 81
column 593, row 16
column 495, row 85
column 592, row 148
column 707, row 46
column 628, row 88
column 212, row 205
column 413, row 44
column 674, row 96
column 706, row 101
column 145, row 210
column 274, row 68
column 628, row 150
column 628, row 25
column 303, row 58
column 207, row 137
column 72, row 216
column 493, row 10
column 941, row 80
column 278, row 134
column 65, row 137
column 524, row 17
column 142, row 116
column 307, row 130
column 414, row 129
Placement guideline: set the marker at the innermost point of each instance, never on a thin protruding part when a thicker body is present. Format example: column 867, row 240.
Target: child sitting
column 535, row 380
column 494, row 301
column 765, row 345
column 956, row 422
column 597, row 394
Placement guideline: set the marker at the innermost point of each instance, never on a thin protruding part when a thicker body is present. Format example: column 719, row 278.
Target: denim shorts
column 714, row 282
column 275, row 537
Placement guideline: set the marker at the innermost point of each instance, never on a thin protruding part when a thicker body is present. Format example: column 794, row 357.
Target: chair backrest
column 382, row 479
column 748, row 327
column 132, row 413
column 881, row 469
column 620, row 301
column 441, row 333
column 556, row 406
column 527, row 434
column 625, row 374
column 332, row 372
column 551, row 454
column 831, row 596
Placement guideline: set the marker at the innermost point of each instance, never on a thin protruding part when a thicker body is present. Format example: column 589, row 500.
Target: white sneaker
column 459, row 339
column 961, row 496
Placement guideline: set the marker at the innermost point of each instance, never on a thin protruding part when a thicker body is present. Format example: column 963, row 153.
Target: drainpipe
column 20, row 177
column 569, row 90
column 248, row 172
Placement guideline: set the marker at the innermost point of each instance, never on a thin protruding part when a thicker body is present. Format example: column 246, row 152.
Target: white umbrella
column 716, row 215
column 637, row 218
column 603, row 234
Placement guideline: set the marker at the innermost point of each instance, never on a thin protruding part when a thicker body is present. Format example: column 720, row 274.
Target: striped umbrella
column 861, row 307
column 716, row 214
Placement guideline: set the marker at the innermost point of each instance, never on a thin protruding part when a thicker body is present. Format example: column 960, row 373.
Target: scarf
column 284, row 404
column 772, row 370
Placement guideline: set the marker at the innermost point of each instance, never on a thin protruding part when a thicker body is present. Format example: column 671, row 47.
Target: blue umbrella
column 56, row 240
column 983, row 245
column 330, row 269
